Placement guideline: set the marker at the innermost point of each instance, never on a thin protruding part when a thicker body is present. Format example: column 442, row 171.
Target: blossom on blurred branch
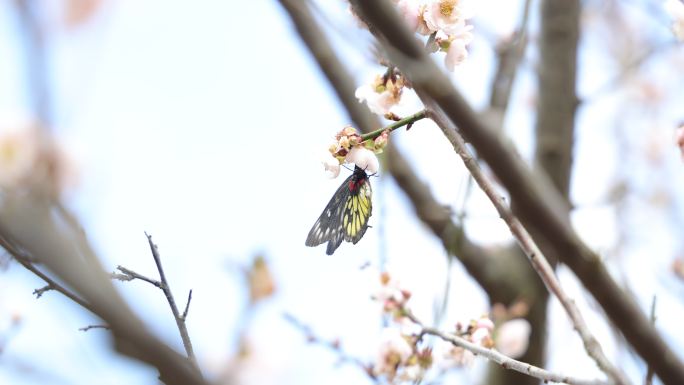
column 31, row 160
column 513, row 337
column 261, row 282
column 675, row 8
column 382, row 94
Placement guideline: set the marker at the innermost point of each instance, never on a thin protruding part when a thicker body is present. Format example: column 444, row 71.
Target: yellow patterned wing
column 346, row 215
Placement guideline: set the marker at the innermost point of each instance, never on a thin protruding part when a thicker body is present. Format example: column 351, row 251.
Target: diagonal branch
column 164, row 286
column 528, row 246
column 539, row 206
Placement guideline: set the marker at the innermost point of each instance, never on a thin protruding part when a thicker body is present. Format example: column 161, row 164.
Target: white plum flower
column 455, row 45
column 443, row 15
column 513, row 337
column 378, row 102
column 364, row 158
column 410, row 11
column 332, row 166
column 19, row 152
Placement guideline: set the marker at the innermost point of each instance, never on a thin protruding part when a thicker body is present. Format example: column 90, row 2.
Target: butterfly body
column 346, row 215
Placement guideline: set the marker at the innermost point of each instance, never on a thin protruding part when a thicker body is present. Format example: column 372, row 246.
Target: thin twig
column 39, row 292
column 129, row 275
column 86, row 328
column 333, row 345
column 187, row 306
column 503, row 360
column 164, row 286
column 528, row 246
column 407, row 121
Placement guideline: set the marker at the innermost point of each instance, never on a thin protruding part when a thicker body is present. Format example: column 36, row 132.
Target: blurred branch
column 36, row 59
column 475, row 259
column 649, row 372
column 538, row 205
column 628, row 69
column 26, row 261
column 527, row 244
column 503, row 360
column 557, row 73
column 509, row 53
column 33, row 224
column 333, row 345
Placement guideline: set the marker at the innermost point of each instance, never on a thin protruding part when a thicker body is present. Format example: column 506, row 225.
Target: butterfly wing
column 328, row 226
column 357, row 211
column 346, row 215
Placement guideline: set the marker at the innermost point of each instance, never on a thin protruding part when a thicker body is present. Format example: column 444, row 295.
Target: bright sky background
column 201, row 122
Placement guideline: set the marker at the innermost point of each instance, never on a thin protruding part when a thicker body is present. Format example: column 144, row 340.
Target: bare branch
column 187, row 306
column 31, row 225
column 129, row 275
column 527, row 244
column 39, row 292
column 333, row 345
column 164, row 286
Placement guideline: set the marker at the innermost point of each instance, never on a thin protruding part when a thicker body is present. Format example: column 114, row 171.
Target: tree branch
column 503, row 360
column 528, row 246
column 539, row 205
column 164, row 286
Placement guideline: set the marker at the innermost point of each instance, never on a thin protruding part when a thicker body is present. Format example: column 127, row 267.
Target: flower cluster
column 478, row 332
column 350, row 148
column 675, row 8
column 391, row 296
column 399, row 357
column 446, row 21
column 382, row 94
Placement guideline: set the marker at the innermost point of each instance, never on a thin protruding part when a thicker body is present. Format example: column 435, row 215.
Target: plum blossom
column 394, row 351
column 410, row 10
column 443, row 15
column 390, row 294
column 381, row 95
column 349, row 148
column 364, row 158
column 675, row 8
column 513, row 337
column 19, row 152
column 455, row 45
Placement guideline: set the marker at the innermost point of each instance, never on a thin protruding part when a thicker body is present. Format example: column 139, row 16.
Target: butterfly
column 346, row 215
